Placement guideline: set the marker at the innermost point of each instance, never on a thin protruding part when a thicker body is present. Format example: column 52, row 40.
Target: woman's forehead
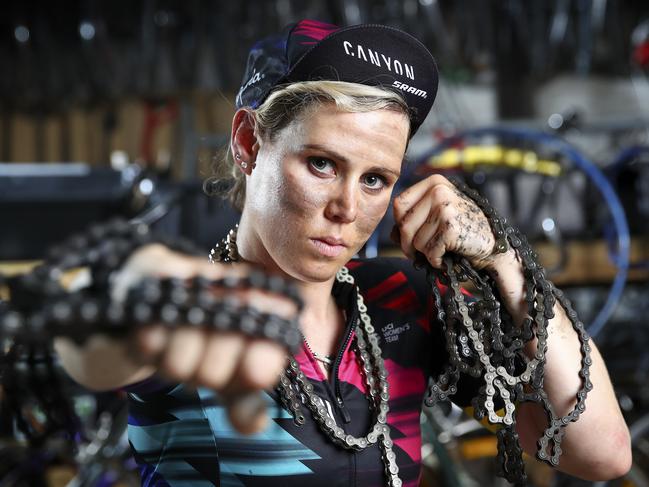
column 326, row 119
column 378, row 135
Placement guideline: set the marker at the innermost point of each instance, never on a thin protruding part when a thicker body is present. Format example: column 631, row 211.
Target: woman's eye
column 320, row 164
column 374, row 181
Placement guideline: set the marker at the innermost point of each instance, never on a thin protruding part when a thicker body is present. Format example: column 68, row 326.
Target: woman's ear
column 243, row 142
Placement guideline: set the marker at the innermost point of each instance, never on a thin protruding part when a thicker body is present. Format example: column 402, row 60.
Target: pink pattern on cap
column 314, row 30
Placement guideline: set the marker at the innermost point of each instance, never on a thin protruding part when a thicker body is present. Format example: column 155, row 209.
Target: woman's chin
column 316, row 270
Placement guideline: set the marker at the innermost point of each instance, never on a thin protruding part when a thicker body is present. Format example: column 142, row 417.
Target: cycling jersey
column 181, row 436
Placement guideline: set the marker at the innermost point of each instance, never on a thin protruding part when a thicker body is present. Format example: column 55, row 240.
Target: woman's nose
column 343, row 206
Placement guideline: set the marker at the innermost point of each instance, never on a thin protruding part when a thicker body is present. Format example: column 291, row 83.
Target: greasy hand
column 434, row 217
column 234, row 364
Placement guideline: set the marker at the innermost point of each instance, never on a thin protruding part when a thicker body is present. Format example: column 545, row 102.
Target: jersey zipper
column 339, row 397
column 351, row 324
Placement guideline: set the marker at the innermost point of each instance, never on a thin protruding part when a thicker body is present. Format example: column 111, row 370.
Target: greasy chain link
column 226, row 251
column 29, row 371
column 39, row 304
column 482, row 340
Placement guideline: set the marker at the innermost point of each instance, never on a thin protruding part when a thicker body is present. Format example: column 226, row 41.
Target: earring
column 244, row 165
column 237, row 156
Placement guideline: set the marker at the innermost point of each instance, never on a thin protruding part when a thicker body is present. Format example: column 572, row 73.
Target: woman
column 323, row 122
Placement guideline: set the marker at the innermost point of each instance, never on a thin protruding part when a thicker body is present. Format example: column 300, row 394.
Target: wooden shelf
column 11, row 268
column 588, row 261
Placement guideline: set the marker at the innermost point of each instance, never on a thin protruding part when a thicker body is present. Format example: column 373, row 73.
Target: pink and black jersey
column 181, row 436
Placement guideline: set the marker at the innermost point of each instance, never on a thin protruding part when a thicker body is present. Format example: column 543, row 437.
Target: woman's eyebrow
column 326, row 150
column 384, row 170
column 333, row 154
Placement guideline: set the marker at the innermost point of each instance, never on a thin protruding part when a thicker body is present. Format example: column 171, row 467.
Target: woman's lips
column 329, row 247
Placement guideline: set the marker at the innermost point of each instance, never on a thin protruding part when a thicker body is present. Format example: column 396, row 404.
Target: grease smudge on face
column 289, row 204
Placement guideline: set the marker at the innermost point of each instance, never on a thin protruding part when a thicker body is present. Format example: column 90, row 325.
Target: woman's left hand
column 434, row 217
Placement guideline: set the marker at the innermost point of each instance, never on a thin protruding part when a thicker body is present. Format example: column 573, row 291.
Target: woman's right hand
column 236, row 365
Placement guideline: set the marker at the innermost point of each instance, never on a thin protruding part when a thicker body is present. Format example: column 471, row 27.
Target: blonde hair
column 287, row 104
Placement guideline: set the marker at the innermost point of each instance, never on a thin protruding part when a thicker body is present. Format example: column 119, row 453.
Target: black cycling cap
column 369, row 54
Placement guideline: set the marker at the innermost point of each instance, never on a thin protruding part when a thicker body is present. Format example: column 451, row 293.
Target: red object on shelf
column 641, row 54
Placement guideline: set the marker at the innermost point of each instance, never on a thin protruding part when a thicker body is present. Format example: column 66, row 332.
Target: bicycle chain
column 375, row 375
column 482, row 340
column 40, row 306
